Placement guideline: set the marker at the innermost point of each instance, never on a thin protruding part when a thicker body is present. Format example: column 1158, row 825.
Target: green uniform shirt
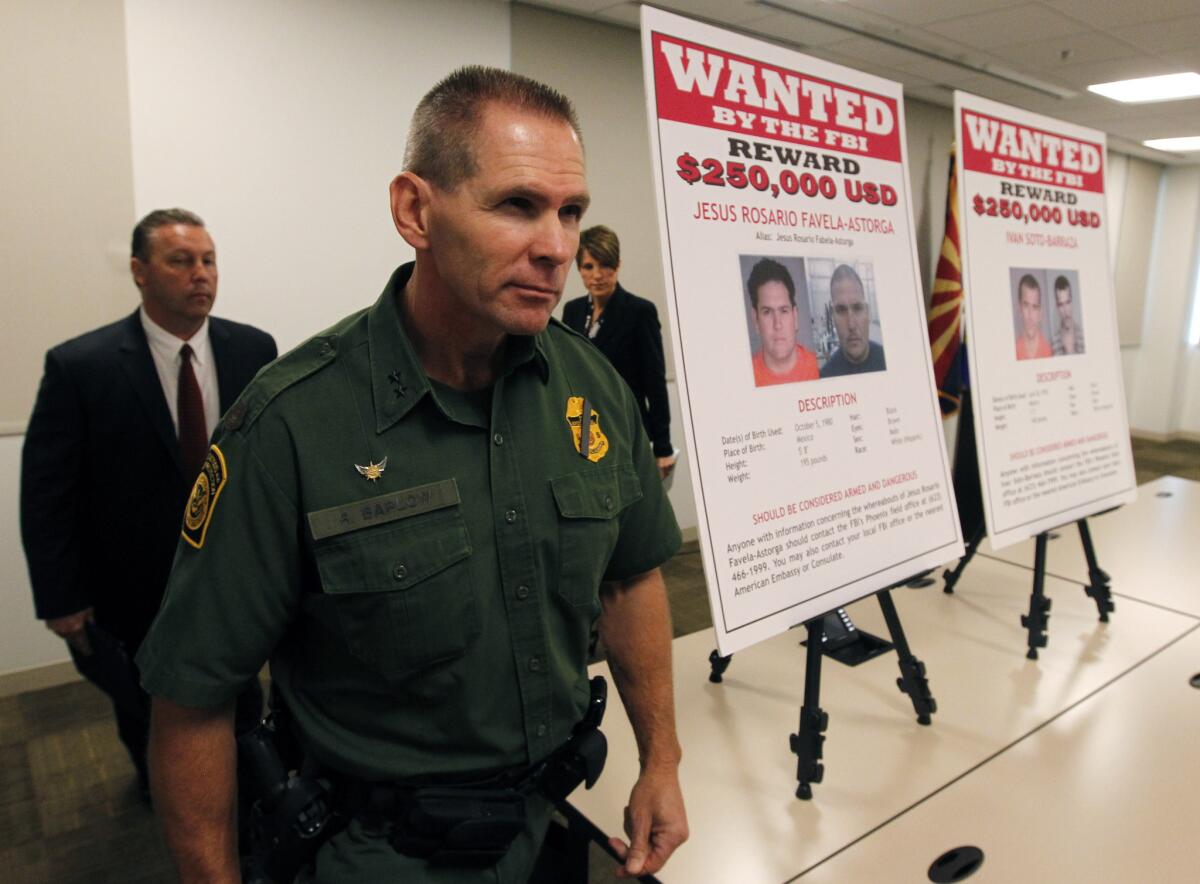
column 421, row 566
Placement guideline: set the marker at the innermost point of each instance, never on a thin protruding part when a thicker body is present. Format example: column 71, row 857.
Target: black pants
column 111, row 668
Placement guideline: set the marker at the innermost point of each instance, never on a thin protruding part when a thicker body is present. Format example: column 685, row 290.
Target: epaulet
column 289, row 369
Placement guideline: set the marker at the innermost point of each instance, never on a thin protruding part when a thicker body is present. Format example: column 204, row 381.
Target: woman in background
column 625, row 328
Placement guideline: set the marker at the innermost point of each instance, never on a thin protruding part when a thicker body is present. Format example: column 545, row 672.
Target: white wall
column 65, row 176
column 281, row 122
column 24, row 642
column 1156, row 394
column 65, row 218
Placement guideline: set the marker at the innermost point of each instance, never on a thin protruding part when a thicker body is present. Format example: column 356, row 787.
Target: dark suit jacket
column 102, row 487
column 631, row 337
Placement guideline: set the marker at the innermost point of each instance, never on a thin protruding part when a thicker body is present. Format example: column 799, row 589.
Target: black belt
column 475, row 823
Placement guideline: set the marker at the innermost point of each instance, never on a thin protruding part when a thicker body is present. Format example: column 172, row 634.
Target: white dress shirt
column 165, row 347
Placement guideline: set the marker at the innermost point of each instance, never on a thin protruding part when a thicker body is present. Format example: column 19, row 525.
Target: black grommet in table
column 956, row 864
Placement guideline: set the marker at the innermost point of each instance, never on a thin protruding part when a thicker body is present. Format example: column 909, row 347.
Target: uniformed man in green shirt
column 418, row 515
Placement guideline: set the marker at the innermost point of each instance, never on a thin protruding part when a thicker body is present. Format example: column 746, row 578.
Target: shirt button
column 541, row 730
column 399, row 572
column 522, row 592
column 510, row 516
column 608, row 503
column 498, row 439
column 535, row 664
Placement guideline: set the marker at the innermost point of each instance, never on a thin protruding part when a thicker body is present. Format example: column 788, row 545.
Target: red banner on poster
column 1013, row 150
column 707, row 87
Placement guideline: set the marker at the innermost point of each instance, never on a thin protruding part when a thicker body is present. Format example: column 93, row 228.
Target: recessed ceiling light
column 1165, row 88
column 1191, row 142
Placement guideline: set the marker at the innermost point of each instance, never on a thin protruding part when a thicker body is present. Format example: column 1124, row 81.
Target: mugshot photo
column 847, row 335
column 778, row 320
column 1031, row 321
column 1066, row 321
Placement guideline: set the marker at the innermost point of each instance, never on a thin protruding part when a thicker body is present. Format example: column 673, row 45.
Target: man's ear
column 410, row 196
column 138, row 271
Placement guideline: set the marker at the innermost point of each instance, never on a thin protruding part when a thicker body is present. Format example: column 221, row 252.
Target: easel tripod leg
column 813, row 720
column 951, row 577
column 1039, row 605
column 1098, row 589
column 912, row 680
column 718, row 666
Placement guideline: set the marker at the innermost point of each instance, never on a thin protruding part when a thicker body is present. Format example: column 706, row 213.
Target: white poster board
column 818, row 460
column 1045, row 362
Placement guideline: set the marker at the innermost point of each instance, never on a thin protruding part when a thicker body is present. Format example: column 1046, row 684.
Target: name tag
column 382, row 509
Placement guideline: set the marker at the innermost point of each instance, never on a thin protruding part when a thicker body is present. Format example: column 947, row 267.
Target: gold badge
column 589, row 440
column 372, row 471
column 199, row 512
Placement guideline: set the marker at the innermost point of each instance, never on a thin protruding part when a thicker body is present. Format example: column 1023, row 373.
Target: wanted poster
column 800, row 340
column 1050, row 421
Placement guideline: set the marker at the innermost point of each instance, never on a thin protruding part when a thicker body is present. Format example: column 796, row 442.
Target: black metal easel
column 970, row 516
column 807, row 742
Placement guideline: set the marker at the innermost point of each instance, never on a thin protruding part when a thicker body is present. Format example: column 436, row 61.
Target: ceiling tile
column 583, row 7
column 1186, row 60
column 1005, row 27
column 876, row 52
column 841, row 12
column 936, row 71
column 1107, row 14
column 919, row 12
column 733, row 12
column 999, row 90
column 1048, row 54
column 801, row 31
column 879, row 70
column 1162, row 36
column 1108, row 39
column 1141, row 129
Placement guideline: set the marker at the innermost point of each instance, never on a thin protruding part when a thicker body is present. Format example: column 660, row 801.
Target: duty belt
column 475, row 823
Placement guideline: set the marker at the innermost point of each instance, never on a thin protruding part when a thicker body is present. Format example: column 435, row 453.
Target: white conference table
column 1039, row 763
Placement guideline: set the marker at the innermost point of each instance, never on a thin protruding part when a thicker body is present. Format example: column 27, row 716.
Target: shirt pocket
column 402, row 592
column 589, row 502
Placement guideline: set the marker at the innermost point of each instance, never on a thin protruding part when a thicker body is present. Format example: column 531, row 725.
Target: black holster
column 291, row 816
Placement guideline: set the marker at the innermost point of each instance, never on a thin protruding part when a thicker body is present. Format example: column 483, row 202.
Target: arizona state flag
column 945, row 311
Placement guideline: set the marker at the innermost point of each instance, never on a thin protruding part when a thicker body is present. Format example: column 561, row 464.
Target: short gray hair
column 444, row 124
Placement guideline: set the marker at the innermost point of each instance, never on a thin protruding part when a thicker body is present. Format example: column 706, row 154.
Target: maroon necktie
column 193, row 438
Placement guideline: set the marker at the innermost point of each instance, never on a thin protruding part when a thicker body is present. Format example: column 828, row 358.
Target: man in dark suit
column 117, row 436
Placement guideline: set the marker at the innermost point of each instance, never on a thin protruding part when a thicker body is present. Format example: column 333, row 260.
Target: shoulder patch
column 203, row 500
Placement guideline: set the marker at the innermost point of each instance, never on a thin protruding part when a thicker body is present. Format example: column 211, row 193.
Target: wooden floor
column 69, row 809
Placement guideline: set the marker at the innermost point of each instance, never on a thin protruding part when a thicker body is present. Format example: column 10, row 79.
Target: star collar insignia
column 372, row 471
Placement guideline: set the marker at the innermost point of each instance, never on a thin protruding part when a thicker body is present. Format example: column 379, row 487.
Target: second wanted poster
column 804, row 371
column 1049, row 404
